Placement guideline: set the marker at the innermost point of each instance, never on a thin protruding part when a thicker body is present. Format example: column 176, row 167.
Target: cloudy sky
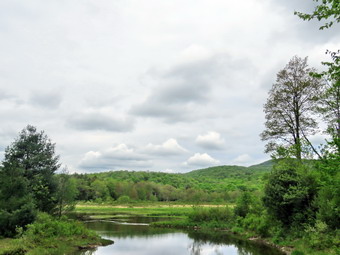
column 146, row 84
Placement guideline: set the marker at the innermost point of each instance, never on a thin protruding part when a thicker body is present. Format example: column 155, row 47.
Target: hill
column 223, row 172
column 221, row 183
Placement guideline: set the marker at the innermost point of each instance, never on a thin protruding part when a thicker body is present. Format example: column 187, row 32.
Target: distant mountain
column 222, row 172
column 266, row 166
column 216, row 176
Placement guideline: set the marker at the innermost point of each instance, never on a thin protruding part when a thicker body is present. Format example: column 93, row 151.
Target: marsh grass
column 48, row 235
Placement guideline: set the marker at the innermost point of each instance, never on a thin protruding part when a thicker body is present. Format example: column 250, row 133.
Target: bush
column 17, row 205
column 318, row 236
column 46, row 227
column 243, row 204
column 124, row 199
column 289, row 193
column 257, row 224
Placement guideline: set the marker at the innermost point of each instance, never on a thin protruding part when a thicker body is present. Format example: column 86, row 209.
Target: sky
column 149, row 85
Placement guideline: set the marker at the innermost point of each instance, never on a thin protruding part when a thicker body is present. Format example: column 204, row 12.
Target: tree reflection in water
column 145, row 240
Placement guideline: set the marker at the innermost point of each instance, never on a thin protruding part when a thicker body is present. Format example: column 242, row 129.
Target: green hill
column 223, row 172
column 220, row 183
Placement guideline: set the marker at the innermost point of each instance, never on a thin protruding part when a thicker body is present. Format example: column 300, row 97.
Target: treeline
column 217, row 184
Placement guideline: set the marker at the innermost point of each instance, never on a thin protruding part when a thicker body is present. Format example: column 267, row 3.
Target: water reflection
column 145, row 240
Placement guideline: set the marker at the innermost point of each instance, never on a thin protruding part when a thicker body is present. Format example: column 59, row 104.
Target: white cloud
column 118, row 157
column 201, row 160
column 211, row 140
column 96, row 73
column 243, row 159
column 169, row 147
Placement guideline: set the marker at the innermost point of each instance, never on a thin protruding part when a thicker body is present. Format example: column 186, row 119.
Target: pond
column 134, row 236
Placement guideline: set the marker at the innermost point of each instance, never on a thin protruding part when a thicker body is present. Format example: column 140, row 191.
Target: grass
column 48, row 235
column 159, row 210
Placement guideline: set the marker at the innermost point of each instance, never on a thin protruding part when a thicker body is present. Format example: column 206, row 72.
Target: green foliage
column 216, row 214
column 329, row 100
column 297, row 252
column 124, row 199
column 259, row 224
column 325, row 10
column 288, row 194
column 49, row 235
column 46, row 227
column 243, row 204
column 33, row 152
column 328, row 197
column 328, row 204
column 315, row 236
column 17, row 205
column 216, row 184
column 66, row 193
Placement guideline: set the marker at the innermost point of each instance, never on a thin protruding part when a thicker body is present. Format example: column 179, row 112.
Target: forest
column 215, row 184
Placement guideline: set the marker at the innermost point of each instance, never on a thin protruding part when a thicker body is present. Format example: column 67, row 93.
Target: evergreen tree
column 34, row 153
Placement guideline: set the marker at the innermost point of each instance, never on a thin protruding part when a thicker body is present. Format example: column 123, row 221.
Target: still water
column 133, row 236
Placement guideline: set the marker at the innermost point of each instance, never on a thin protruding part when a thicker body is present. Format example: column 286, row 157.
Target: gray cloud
column 99, row 121
column 302, row 5
column 184, row 89
column 175, row 73
column 5, row 95
column 46, row 99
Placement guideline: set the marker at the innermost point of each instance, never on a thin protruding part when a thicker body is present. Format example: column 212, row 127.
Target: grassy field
column 158, row 209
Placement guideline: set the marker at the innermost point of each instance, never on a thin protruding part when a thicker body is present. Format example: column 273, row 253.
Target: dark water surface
column 133, row 236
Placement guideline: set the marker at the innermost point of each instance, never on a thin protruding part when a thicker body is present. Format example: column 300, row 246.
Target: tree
column 17, row 204
column 329, row 101
column 289, row 107
column 34, row 153
column 243, row 204
column 325, row 10
column 289, row 193
column 66, row 193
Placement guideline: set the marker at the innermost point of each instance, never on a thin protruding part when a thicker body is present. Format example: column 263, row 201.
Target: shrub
column 124, row 199
column 257, row 224
column 46, row 227
column 318, row 236
column 243, row 204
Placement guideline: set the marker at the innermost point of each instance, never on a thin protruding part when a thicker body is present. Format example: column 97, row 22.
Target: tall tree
column 34, row 152
column 325, row 10
column 289, row 106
